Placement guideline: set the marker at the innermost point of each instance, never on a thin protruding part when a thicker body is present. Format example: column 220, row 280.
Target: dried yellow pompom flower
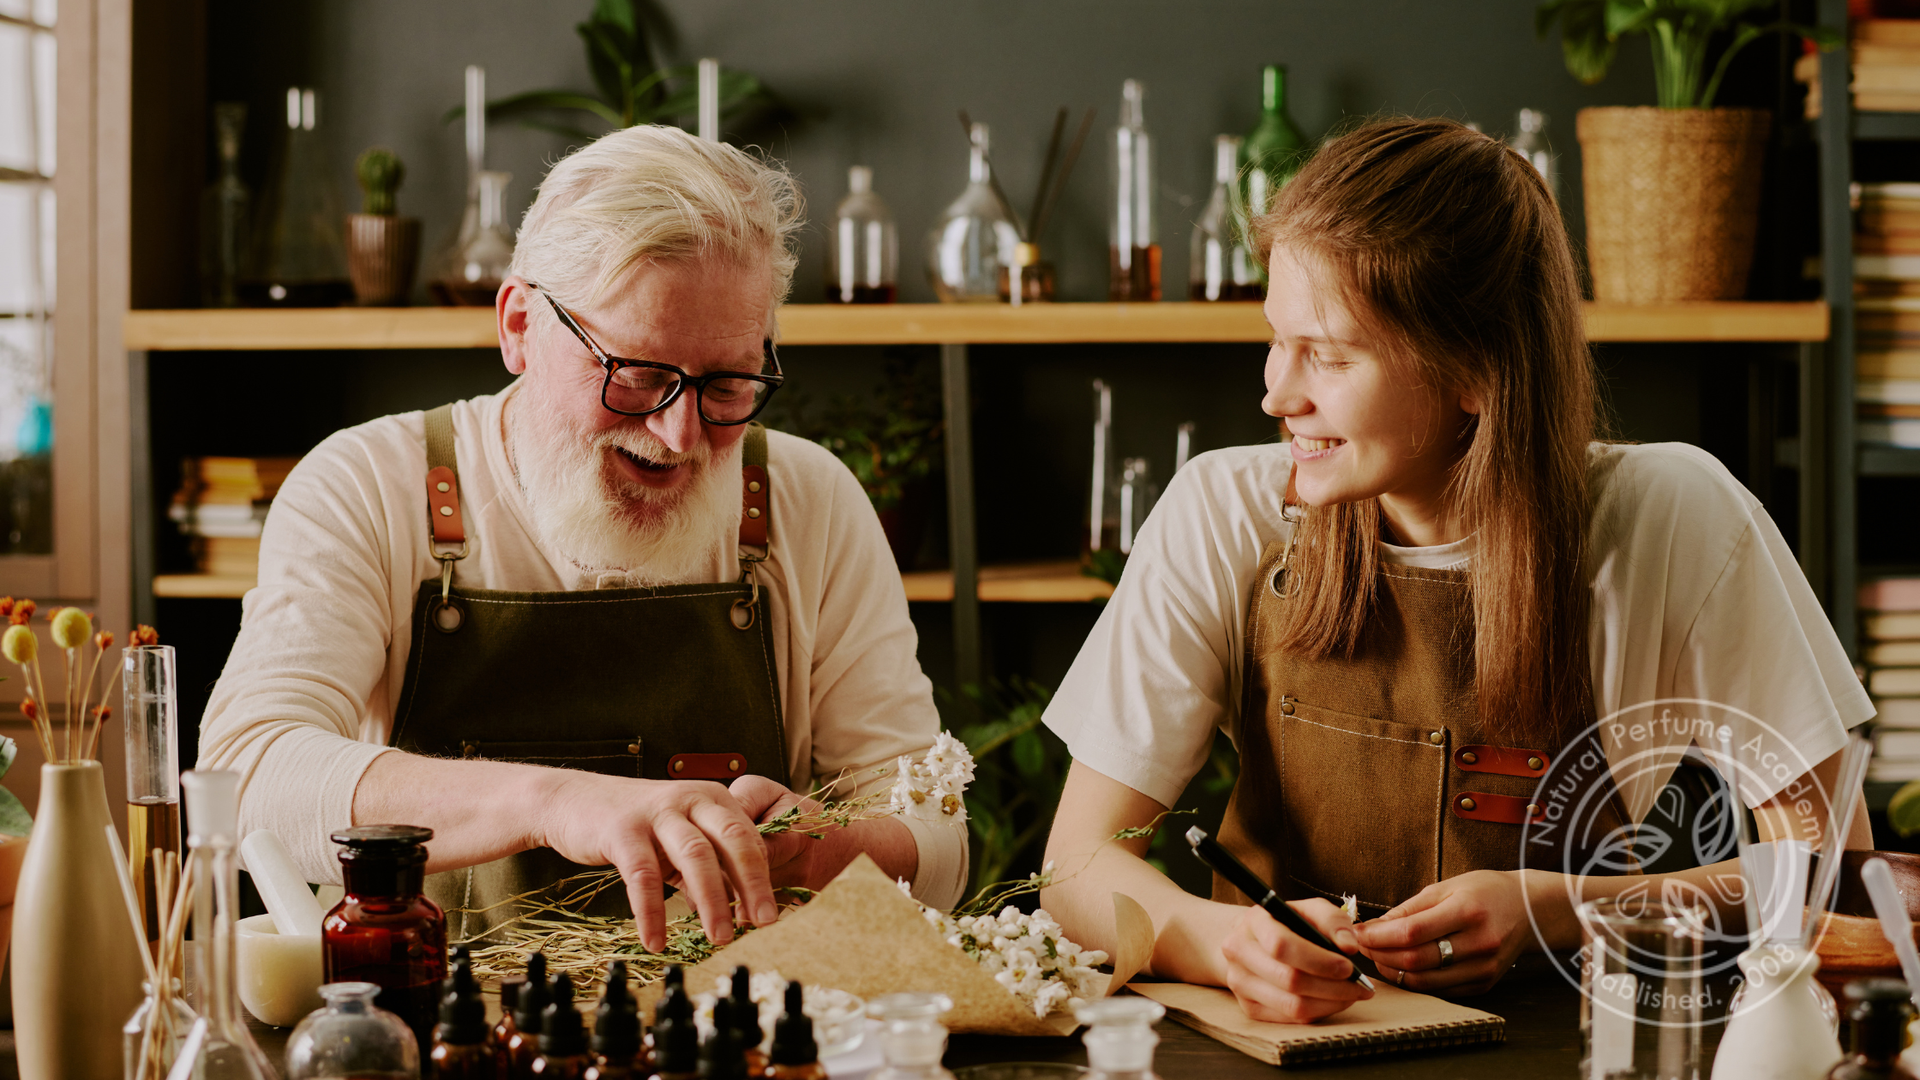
column 71, row 628
column 20, row 645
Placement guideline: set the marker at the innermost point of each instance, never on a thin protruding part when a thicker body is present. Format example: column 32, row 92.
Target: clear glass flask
column 301, row 247
column 1138, row 493
column 226, row 207
column 974, row 240
column 352, row 1039
column 471, row 271
column 1531, row 141
column 1103, row 517
column 219, row 1046
column 1219, row 265
column 148, row 701
column 152, row 1037
column 1133, row 239
column 863, row 259
column 912, row 1038
column 1120, row 1037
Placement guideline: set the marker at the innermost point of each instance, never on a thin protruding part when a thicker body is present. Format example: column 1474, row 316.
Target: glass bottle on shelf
column 912, row 1038
column 349, row 1038
column 1531, row 142
column 301, row 253
column 471, row 271
column 863, row 258
column 226, row 208
column 1103, row 518
column 1273, row 151
column 1220, row 267
column 974, row 239
column 1120, row 1037
column 1133, row 239
column 152, row 1038
column 153, row 767
column 219, row 1046
column 1138, row 493
column 384, row 930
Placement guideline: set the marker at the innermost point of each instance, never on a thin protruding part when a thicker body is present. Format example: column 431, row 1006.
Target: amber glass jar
column 384, row 931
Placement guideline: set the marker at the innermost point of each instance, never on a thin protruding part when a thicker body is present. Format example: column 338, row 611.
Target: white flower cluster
column 931, row 787
column 1027, row 954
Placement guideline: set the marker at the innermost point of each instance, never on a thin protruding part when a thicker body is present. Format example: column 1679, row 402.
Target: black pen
column 1261, row 893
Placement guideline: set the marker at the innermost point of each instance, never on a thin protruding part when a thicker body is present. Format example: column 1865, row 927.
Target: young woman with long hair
column 1440, row 622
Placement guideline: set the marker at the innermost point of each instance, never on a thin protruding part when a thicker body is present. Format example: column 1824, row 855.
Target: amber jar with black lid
column 1879, row 1010
column 384, row 930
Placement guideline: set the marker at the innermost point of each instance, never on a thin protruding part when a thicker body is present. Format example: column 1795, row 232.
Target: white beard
column 589, row 514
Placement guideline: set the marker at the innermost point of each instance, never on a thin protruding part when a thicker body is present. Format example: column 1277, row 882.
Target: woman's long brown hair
column 1449, row 250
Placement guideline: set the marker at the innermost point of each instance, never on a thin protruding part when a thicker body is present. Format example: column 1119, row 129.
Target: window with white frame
column 27, row 78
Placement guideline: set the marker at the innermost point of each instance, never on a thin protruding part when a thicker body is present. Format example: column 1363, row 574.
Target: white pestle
column 295, row 912
column 1894, row 921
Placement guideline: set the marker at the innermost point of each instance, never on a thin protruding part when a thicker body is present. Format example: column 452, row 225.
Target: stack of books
column 1890, row 614
column 222, row 503
column 1887, row 342
column 1886, row 67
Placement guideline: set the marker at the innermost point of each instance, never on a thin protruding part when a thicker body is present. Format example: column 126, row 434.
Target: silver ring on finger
column 1446, row 952
column 1400, row 979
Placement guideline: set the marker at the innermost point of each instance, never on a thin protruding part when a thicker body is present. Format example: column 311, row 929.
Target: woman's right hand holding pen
column 1280, row 977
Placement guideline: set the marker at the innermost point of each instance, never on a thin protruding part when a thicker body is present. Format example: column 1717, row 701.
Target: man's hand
column 1280, row 977
column 1483, row 914
column 692, row 833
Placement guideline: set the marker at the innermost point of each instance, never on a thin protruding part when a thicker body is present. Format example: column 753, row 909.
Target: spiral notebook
column 1392, row 1021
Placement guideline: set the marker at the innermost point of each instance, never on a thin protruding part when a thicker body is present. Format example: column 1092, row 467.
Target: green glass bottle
column 1274, row 150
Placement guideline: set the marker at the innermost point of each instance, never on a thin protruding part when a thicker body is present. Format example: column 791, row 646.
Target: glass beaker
column 153, row 767
column 863, row 259
column 1640, row 990
column 350, row 1037
column 912, row 1038
column 1120, row 1036
column 301, row 249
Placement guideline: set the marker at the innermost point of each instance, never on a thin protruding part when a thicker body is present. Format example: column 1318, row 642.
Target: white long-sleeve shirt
column 307, row 697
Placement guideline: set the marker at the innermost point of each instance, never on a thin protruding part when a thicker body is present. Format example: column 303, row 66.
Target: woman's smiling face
column 1361, row 428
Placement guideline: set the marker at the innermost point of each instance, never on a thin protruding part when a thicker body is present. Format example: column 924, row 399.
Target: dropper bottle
column 563, row 1037
column 503, row 1030
column 746, row 1020
column 676, row 1041
column 462, row 1042
column 721, row 1056
column 795, row 1055
column 528, row 1019
column 617, row 1053
column 1120, row 1037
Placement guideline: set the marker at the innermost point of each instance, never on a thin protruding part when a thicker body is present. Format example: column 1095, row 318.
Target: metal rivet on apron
column 446, row 511
column 1436, row 738
column 733, row 764
column 1466, row 803
column 1286, row 706
column 753, row 511
column 679, row 766
column 1533, row 763
column 633, row 748
column 443, row 486
column 1533, row 809
column 447, row 617
column 1469, row 757
column 753, row 485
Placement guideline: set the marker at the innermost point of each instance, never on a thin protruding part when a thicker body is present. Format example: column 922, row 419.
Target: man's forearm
column 478, row 810
column 885, row 840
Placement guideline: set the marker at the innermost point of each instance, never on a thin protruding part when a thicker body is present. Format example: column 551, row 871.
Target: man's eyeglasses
column 640, row 387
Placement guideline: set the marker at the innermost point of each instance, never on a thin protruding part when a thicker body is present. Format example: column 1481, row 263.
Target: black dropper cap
column 533, row 1002
column 793, row 1033
column 463, row 1016
column 674, row 1002
column 676, row 1041
column 722, row 1057
column 746, row 1014
column 616, row 1023
column 563, row 1034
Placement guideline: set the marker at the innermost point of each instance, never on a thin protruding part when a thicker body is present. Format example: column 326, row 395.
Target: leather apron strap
column 644, row 683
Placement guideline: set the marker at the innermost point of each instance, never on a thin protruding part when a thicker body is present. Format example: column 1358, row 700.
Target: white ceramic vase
column 1780, row 1032
column 76, row 962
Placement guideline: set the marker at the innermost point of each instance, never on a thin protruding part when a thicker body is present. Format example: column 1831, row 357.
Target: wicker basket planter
column 1673, row 201
column 382, row 251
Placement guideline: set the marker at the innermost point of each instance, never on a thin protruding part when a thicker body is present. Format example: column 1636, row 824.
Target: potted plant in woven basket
column 382, row 247
column 1673, row 192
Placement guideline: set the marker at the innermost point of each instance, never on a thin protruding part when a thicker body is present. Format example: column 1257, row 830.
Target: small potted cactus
column 382, row 248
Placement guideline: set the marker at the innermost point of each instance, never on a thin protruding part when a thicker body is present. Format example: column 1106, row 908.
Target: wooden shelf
column 918, row 324
column 1886, row 126
column 1042, row 582
column 1889, row 461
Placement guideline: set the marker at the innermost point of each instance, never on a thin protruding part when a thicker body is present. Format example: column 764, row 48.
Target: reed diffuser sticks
column 173, row 891
column 1053, row 175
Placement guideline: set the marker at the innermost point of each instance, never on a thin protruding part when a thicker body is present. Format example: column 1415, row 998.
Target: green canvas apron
column 663, row 683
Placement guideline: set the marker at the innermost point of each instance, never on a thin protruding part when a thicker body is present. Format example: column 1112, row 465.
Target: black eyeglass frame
column 613, row 364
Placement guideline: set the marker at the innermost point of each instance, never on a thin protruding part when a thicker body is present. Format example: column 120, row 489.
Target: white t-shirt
column 1695, row 596
column 306, row 700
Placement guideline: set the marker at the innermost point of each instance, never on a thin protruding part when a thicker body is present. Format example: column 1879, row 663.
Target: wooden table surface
column 1543, row 1041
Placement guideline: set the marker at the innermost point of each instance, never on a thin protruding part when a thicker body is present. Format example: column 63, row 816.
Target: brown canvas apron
column 655, row 683
column 1374, row 776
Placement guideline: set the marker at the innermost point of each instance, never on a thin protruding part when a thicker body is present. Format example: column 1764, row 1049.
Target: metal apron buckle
column 745, row 612
column 1275, row 583
column 446, row 614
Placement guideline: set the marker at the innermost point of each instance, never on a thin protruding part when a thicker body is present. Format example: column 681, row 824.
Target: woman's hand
column 1482, row 914
column 1278, row 976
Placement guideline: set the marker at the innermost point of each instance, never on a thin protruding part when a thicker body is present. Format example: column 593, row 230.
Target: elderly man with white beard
column 599, row 618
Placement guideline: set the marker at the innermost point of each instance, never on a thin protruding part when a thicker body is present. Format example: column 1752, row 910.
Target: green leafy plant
column 1019, row 769
column 14, row 819
column 380, row 173
column 1679, row 31
column 890, row 439
column 633, row 87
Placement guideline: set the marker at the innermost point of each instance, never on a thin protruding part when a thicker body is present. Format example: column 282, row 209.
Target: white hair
column 654, row 193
